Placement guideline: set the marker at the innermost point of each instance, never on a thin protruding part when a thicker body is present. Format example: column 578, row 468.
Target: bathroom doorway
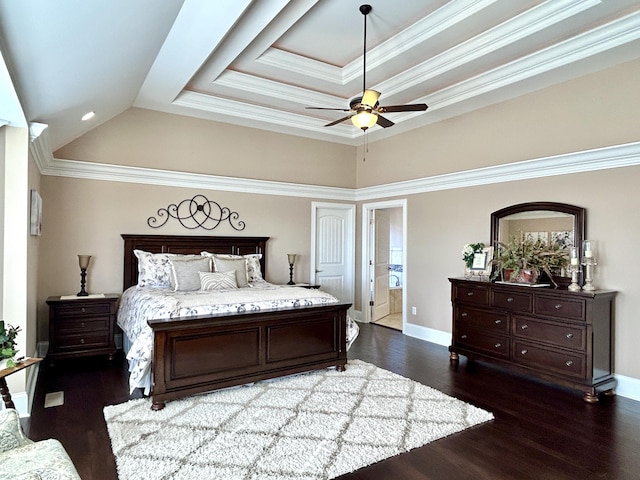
column 385, row 260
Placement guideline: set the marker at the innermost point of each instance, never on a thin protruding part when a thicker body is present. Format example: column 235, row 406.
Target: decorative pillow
column 185, row 272
column 253, row 267
column 154, row 269
column 225, row 264
column 218, row 280
column 11, row 434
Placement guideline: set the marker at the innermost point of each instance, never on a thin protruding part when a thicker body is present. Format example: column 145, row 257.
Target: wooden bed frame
column 203, row 353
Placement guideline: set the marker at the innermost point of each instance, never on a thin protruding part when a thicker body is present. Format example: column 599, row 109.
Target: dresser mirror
column 549, row 221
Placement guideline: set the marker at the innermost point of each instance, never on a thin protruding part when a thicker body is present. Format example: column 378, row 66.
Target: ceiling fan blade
column 370, row 98
column 338, row 121
column 384, row 122
column 411, row 107
column 322, row 108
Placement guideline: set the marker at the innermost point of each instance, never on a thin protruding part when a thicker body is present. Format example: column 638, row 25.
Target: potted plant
column 525, row 260
column 8, row 349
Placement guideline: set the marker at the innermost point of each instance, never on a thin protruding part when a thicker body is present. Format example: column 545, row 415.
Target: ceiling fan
column 365, row 111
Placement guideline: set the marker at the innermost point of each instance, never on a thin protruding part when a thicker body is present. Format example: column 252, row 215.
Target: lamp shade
column 83, row 260
column 292, row 258
column 364, row 119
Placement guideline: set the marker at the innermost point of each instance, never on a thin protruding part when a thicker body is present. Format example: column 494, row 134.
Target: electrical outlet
column 414, row 311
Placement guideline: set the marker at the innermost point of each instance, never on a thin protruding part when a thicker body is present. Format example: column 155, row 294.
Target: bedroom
column 87, row 212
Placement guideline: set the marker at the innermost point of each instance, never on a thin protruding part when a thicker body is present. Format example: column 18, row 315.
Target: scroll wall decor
column 197, row 212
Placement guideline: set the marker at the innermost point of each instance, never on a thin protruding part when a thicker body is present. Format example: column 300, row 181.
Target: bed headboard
column 187, row 244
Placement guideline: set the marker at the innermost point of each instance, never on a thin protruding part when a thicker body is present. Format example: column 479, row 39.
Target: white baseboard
column 628, row 387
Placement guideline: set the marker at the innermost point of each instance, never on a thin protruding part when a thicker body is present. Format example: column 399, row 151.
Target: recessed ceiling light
column 88, row 116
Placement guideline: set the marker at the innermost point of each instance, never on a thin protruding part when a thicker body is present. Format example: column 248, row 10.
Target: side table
column 4, row 389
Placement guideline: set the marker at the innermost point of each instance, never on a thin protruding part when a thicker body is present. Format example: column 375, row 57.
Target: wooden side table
column 4, row 389
column 82, row 326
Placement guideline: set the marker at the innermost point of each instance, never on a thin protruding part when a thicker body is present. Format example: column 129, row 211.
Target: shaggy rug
column 316, row 425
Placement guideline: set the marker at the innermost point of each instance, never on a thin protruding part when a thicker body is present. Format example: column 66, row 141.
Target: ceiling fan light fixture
column 364, row 119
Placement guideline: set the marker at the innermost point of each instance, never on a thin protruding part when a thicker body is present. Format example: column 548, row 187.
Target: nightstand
column 82, row 326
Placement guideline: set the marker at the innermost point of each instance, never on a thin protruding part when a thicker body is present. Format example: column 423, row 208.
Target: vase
column 523, row 276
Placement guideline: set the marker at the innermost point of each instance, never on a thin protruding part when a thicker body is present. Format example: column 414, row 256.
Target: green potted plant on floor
column 8, row 349
column 525, row 260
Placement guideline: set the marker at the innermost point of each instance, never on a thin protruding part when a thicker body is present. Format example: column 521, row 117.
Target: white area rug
column 316, row 425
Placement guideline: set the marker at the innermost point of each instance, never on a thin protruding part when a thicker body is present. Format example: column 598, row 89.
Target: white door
column 333, row 249
column 381, row 265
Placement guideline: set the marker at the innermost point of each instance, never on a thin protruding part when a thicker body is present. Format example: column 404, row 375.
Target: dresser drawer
column 495, row 345
column 554, row 361
column 472, row 295
column 560, row 307
column 494, row 322
column 521, row 302
column 71, row 310
column 81, row 325
column 563, row 335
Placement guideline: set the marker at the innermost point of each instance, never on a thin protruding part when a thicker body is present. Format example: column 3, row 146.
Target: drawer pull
column 82, row 340
column 510, row 299
column 568, row 363
column 524, row 327
column 463, row 314
column 498, row 345
column 82, row 324
column 83, row 310
column 470, row 294
column 569, row 335
column 463, row 337
column 498, row 322
column 524, row 351
column 558, row 306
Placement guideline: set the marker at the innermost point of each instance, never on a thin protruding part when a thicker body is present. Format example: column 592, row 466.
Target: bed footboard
column 199, row 354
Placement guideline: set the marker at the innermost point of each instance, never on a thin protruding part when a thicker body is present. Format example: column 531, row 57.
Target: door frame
column 367, row 251
column 350, row 241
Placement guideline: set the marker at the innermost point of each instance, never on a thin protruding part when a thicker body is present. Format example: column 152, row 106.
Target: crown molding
column 617, row 156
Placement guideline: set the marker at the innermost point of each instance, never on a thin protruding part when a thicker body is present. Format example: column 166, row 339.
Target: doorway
column 384, row 260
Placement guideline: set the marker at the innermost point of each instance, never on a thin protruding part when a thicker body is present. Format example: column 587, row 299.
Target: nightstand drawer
column 91, row 340
column 564, row 335
column 521, row 302
column 560, row 307
column 493, row 344
column 82, row 309
column 482, row 319
column 555, row 361
column 472, row 295
column 80, row 325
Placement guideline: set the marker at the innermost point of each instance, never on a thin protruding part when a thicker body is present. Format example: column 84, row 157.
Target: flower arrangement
column 526, row 255
column 8, row 349
column 469, row 251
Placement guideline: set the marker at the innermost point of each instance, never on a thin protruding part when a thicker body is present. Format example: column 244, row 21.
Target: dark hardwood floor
column 539, row 431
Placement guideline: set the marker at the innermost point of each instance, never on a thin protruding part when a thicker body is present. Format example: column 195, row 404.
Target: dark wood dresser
column 555, row 335
column 82, row 327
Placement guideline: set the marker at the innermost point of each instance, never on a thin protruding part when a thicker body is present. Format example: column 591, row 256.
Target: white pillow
column 252, row 264
column 185, row 272
column 218, row 280
column 154, row 269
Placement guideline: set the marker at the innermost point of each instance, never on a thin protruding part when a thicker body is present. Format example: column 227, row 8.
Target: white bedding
column 140, row 304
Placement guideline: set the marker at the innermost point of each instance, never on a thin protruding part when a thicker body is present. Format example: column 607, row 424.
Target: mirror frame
column 579, row 218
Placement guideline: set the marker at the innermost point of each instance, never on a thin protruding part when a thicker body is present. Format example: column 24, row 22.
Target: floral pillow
column 154, row 269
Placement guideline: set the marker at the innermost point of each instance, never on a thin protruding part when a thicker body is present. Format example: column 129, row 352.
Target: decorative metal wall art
column 197, row 212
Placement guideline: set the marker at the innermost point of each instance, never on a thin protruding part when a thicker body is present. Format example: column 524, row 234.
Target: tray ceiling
column 260, row 63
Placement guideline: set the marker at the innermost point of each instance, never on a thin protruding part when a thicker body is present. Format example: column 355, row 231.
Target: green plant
column 520, row 255
column 8, row 336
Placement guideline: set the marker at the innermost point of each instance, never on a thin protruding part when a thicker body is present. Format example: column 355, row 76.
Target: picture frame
column 35, row 217
column 482, row 263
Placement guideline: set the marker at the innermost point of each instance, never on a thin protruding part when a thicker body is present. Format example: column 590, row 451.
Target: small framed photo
column 482, row 264
column 35, row 220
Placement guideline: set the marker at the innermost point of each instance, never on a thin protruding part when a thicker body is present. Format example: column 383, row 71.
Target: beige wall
column 143, row 138
column 594, row 111
column 87, row 216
